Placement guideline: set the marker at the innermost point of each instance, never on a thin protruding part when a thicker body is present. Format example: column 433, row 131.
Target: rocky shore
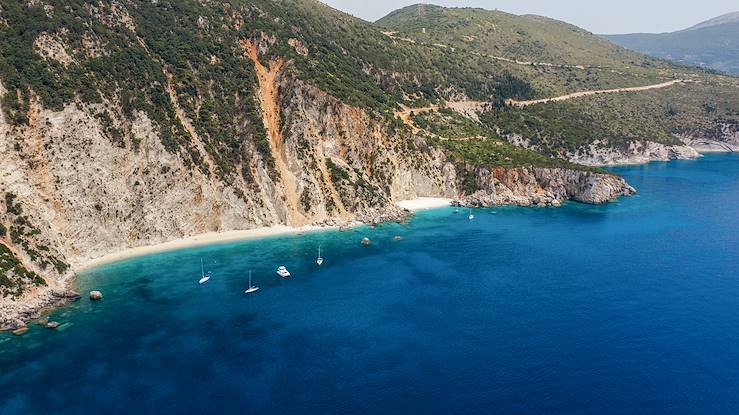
column 544, row 187
column 637, row 152
column 16, row 313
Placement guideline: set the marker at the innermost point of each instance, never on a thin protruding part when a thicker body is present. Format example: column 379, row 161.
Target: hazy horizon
column 627, row 16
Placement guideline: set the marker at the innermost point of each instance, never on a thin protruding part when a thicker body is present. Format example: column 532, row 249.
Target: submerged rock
column 21, row 331
column 96, row 295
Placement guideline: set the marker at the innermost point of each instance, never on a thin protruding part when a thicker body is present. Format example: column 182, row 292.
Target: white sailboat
column 251, row 289
column 203, row 276
column 471, row 217
column 319, row 260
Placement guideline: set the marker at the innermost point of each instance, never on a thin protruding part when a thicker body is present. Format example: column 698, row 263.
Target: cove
column 629, row 307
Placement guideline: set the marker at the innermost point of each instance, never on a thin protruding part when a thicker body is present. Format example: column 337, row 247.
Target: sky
column 598, row 16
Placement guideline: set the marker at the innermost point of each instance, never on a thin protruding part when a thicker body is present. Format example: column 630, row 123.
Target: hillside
column 637, row 108
column 712, row 44
column 131, row 123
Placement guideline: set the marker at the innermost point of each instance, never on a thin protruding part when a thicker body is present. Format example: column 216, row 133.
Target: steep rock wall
column 527, row 186
column 84, row 195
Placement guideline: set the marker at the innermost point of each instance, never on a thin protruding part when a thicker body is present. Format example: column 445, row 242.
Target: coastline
column 204, row 239
column 413, row 205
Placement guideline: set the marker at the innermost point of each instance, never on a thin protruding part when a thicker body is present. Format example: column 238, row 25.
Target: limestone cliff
column 81, row 196
column 528, row 186
column 158, row 124
column 723, row 138
column 600, row 153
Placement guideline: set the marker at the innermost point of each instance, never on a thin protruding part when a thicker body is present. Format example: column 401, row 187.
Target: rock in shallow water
column 52, row 324
column 21, row 331
column 96, row 295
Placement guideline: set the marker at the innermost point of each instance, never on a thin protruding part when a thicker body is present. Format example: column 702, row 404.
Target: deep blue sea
column 625, row 308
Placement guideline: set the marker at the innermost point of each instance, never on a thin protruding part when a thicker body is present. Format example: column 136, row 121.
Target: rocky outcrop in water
column 544, row 187
column 15, row 313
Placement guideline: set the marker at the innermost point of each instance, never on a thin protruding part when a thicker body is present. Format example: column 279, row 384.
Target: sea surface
column 625, row 308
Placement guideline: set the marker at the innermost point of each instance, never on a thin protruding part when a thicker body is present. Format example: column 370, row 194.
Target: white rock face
column 724, row 139
column 638, row 152
column 544, row 187
column 52, row 47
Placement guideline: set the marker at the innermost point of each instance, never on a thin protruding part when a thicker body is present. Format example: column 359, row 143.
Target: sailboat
column 203, row 276
column 471, row 217
column 319, row 260
column 252, row 289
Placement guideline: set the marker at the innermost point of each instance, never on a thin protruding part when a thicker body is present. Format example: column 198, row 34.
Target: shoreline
column 204, row 239
column 212, row 238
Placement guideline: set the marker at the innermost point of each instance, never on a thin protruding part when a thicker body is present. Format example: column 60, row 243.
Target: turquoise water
column 631, row 307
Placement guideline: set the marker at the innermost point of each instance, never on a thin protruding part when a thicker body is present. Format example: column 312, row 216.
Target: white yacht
column 283, row 272
column 319, row 260
column 471, row 217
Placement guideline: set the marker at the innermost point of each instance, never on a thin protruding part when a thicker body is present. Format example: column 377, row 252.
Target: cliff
column 77, row 196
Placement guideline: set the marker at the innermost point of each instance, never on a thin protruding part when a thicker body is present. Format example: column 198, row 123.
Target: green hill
column 556, row 58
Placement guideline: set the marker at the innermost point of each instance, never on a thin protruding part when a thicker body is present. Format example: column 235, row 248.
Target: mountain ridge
column 720, row 20
column 711, row 44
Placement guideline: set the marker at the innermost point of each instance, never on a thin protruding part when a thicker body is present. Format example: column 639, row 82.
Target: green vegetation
column 524, row 38
column 449, row 124
column 619, row 119
column 476, row 144
column 160, row 57
column 23, row 234
column 579, row 61
column 490, row 152
column 14, row 277
column 353, row 189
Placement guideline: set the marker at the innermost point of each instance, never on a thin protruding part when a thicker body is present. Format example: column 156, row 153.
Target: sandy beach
column 424, row 203
column 200, row 240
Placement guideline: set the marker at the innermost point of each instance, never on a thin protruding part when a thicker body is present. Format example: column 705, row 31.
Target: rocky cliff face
column 171, row 119
column 724, row 138
column 544, row 187
column 76, row 195
column 599, row 153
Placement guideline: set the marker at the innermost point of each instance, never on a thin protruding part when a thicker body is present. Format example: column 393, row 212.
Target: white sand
column 424, row 203
column 200, row 240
